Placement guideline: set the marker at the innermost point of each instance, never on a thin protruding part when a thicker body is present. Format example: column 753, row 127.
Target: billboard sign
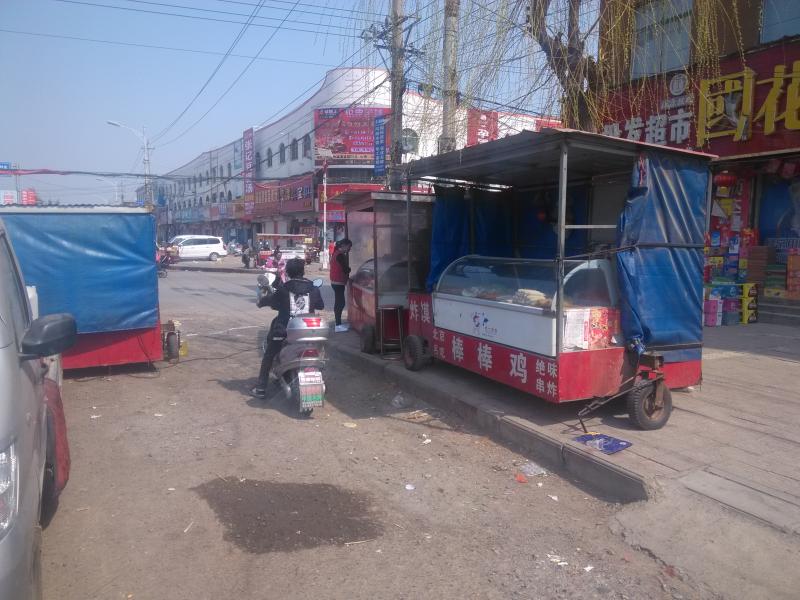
column 379, row 156
column 348, row 133
column 8, row 196
column 247, row 174
column 295, row 194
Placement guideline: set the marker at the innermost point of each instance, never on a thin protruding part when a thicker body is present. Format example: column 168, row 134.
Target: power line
column 230, row 87
column 169, row 14
column 236, row 40
column 152, row 47
column 331, row 8
column 225, row 12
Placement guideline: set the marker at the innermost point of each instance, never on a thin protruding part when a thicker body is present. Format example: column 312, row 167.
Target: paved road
column 183, row 487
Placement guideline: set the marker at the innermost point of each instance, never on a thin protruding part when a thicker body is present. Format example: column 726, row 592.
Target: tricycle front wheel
column 650, row 405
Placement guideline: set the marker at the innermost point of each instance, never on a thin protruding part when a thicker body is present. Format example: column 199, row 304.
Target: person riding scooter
column 281, row 300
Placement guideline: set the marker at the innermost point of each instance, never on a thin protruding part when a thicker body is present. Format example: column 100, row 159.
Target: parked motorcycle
column 298, row 366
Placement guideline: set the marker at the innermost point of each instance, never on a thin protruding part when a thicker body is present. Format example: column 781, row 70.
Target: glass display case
column 530, row 283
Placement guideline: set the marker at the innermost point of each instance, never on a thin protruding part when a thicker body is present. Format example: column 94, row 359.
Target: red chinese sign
column 347, row 133
column 482, row 126
column 295, row 194
column 751, row 108
column 28, row 197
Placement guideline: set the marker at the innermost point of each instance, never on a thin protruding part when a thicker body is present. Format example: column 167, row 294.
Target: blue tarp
column 537, row 225
column 449, row 231
column 660, row 272
column 98, row 267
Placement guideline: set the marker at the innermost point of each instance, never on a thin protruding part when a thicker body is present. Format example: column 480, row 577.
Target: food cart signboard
column 524, row 370
column 349, row 134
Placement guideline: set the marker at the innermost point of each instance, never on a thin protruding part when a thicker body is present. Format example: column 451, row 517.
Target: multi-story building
column 269, row 178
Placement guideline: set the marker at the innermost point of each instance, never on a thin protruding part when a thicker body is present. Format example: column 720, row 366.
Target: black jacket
column 279, row 300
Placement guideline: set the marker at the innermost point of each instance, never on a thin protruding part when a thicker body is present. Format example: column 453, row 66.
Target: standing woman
column 340, row 273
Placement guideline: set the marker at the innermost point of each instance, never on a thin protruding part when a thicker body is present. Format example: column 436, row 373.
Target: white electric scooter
column 298, row 366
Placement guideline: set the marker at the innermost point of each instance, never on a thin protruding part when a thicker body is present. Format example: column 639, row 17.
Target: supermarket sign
column 750, row 108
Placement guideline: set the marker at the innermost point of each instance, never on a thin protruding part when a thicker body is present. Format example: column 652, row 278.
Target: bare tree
column 575, row 70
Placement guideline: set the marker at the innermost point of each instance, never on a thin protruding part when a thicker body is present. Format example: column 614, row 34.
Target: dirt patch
column 268, row 516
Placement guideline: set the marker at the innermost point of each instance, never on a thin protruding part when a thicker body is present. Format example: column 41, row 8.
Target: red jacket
column 339, row 272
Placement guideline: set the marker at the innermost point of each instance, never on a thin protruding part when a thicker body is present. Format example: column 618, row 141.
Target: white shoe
column 341, row 328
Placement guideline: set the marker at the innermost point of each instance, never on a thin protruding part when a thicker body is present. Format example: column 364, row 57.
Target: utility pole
column 447, row 141
column 148, row 184
column 398, row 80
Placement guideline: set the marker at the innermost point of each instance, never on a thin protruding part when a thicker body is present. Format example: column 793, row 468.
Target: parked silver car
column 24, row 344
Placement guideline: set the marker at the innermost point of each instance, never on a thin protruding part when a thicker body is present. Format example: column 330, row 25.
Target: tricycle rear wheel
column 650, row 405
column 414, row 353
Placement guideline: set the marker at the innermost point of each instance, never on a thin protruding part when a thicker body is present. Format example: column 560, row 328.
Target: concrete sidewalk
column 729, row 449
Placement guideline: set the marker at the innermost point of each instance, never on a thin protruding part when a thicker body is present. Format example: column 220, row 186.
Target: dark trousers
column 273, row 348
column 338, row 302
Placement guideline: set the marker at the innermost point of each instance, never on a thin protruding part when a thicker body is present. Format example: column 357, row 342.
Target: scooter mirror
column 317, row 282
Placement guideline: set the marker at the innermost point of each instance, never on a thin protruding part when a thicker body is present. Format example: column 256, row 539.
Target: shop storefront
column 749, row 116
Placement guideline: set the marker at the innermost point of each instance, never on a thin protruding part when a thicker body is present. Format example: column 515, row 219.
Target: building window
column 661, row 37
column 779, row 19
column 258, row 164
column 230, row 196
column 410, row 141
column 208, row 200
column 269, row 157
column 306, row 146
column 282, row 153
column 229, row 170
column 293, row 149
column 208, row 177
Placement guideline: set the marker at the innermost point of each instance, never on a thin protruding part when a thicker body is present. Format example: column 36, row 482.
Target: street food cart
column 568, row 265
column 382, row 274
column 291, row 246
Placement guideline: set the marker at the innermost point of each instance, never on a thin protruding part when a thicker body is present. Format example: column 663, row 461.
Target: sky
column 57, row 94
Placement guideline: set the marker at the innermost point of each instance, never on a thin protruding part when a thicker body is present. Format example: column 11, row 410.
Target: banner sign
column 379, row 155
column 348, row 133
column 750, row 108
column 9, row 196
column 482, row 126
column 247, row 173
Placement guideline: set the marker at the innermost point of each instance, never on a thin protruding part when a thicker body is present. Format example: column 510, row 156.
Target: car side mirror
column 317, row 282
column 49, row 335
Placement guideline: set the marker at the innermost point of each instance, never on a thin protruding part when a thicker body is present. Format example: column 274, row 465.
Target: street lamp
column 148, row 189
column 113, row 184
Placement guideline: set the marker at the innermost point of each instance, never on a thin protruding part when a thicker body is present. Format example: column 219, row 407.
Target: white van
column 199, row 246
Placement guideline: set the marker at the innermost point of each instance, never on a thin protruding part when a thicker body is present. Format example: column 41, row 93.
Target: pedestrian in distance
column 340, row 274
column 246, row 256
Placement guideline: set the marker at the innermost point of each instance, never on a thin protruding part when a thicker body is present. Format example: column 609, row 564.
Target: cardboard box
column 712, row 319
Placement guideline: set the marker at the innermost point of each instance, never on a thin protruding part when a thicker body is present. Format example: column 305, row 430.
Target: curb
column 590, row 471
column 213, row 269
